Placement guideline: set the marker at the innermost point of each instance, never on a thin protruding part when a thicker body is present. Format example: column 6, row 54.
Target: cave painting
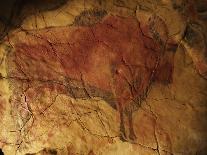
column 114, row 59
column 103, row 77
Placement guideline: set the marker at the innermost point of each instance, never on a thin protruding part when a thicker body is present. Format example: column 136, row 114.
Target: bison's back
column 113, row 56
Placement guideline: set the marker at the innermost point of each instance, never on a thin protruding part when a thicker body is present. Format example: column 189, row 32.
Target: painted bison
column 115, row 59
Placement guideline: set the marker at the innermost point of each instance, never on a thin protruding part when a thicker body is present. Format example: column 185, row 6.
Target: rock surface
column 58, row 92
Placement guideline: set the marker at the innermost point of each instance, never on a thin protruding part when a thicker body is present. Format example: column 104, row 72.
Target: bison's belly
column 89, row 57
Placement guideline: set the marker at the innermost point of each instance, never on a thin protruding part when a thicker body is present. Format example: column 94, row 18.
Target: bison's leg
column 124, row 95
column 123, row 136
column 132, row 135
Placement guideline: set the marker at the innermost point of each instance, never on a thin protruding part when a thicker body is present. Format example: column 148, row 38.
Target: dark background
column 12, row 12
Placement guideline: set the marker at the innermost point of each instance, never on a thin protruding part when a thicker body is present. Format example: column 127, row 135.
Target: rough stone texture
column 104, row 77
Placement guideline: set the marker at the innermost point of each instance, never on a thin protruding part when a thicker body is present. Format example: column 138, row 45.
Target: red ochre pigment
column 113, row 55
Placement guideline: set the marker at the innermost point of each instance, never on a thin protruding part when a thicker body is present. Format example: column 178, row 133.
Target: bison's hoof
column 132, row 137
column 123, row 137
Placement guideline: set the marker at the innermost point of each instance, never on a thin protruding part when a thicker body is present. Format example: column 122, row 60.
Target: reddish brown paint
column 110, row 55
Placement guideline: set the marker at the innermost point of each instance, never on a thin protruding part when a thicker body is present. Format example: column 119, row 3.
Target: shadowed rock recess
column 103, row 77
